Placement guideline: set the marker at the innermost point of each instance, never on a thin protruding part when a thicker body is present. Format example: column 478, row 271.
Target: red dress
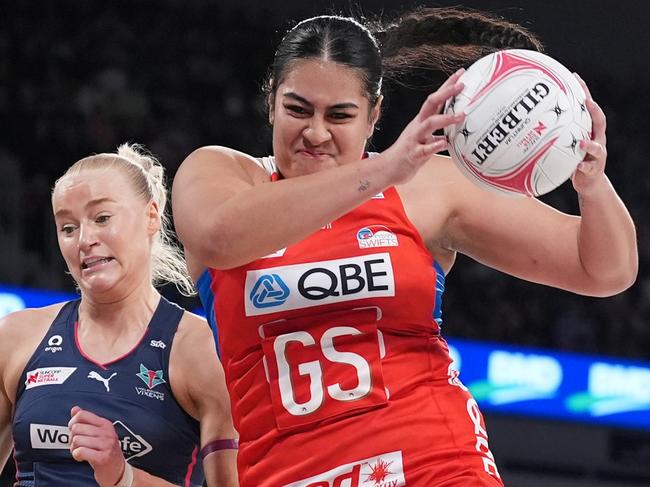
column 337, row 373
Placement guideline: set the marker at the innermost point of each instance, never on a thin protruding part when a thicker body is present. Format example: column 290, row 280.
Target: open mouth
column 90, row 263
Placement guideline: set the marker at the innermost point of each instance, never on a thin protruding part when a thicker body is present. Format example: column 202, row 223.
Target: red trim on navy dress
column 105, row 364
column 190, row 467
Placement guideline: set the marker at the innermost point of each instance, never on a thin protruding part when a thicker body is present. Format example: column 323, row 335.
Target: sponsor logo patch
column 158, row 344
column 269, row 291
column 376, row 236
column 49, row 437
column 103, row 380
column 384, row 470
column 315, row 283
column 47, row 376
column 151, row 378
column 54, row 344
column 132, row 444
column 53, row 437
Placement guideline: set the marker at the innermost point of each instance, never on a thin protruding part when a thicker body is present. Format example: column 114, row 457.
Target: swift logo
column 96, row 376
column 384, row 470
column 269, row 290
column 376, row 236
column 315, row 283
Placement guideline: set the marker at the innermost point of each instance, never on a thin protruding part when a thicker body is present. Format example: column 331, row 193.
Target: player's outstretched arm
column 607, row 236
column 199, row 385
column 594, row 254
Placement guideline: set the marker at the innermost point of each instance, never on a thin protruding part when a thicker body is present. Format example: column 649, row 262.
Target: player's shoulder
column 192, row 331
column 24, row 329
column 436, row 182
column 26, row 321
column 210, row 156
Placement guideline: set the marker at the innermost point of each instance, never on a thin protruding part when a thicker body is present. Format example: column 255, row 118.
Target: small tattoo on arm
column 364, row 184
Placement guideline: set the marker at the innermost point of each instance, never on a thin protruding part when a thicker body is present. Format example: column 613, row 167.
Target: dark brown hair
column 433, row 39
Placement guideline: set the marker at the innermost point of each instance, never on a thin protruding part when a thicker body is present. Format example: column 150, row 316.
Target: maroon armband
column 216, row 445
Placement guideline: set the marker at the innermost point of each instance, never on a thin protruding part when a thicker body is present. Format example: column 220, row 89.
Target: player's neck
column 131, row 310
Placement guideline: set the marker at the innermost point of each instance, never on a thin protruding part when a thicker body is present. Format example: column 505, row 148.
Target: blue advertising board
column 505, row 378
column 544, row 383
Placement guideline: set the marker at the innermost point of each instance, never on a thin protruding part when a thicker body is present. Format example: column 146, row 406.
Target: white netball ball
column 525, row 115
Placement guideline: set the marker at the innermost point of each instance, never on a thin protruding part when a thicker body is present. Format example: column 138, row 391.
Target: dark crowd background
column 80, row 77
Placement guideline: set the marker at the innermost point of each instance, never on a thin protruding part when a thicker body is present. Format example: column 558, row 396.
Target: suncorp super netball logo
column 384, row 470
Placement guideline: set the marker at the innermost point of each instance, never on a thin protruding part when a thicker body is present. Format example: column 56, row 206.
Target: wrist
column 127, row 476
column 597, row 187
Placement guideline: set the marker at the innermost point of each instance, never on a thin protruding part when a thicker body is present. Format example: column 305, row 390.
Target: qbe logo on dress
column 269, row 291
column 384, row 470
column 316, row 283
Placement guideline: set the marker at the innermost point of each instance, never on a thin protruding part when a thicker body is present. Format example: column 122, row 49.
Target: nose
column 316, row 132
column 87, row 237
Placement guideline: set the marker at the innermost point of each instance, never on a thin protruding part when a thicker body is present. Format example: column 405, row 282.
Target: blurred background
column 81, row 76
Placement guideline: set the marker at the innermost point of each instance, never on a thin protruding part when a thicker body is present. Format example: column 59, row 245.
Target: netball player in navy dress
column 120, row 387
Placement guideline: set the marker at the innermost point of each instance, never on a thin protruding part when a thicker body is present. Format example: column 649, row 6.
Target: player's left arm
column 593, row 254
column 199, row 385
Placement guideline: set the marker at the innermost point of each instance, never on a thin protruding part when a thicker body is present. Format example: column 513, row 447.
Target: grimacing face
column 105, row 231
column 321, row 117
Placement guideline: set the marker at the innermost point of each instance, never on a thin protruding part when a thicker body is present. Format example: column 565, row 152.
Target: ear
column 270, row 101
column 153, row 218
column 375, row 113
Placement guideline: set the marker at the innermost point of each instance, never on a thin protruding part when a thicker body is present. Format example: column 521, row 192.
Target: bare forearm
column 220, row 469
column 607, row 239
column 269, row 217
column 145, row 479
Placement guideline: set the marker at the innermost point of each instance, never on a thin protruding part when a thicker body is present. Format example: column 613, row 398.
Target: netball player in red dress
column 322, row 268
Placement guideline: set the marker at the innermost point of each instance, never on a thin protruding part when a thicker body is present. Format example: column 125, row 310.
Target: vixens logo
column 151, row 377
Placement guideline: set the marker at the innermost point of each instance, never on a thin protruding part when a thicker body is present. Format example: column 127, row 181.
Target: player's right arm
column 226, row 216
column 20, row 334
column 6, row 441
column 9, row 346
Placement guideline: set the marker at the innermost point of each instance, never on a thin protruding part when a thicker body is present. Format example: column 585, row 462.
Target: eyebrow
column 94, row 202
column 299, row 98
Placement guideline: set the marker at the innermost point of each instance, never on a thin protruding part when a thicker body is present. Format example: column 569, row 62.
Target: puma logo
column 96, row 376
